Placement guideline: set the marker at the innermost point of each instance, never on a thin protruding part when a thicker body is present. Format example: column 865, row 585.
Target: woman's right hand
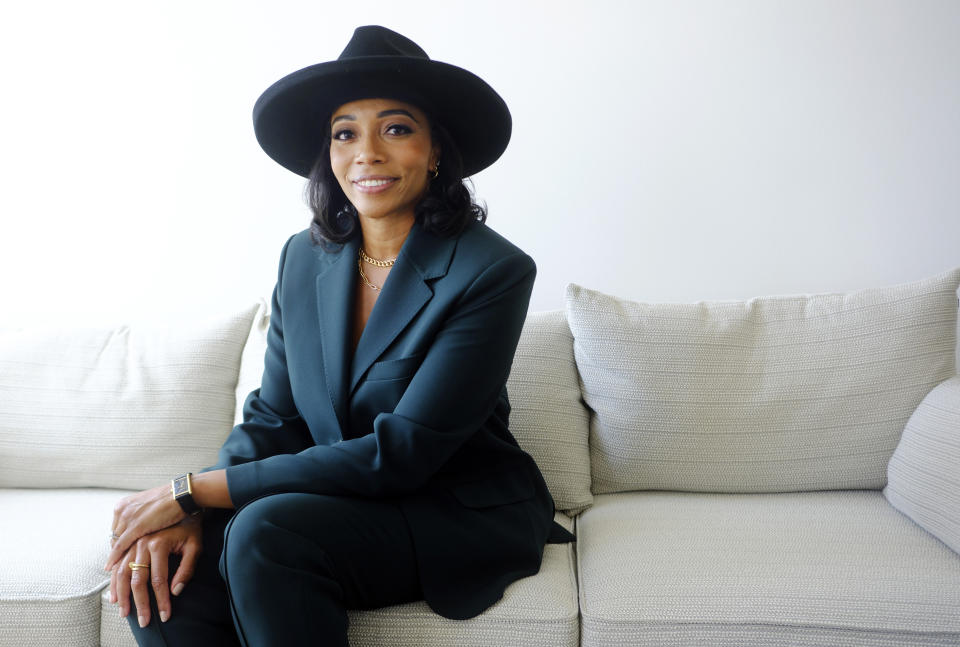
column 184, row 539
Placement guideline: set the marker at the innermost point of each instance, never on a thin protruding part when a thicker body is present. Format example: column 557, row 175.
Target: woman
column 374, row 465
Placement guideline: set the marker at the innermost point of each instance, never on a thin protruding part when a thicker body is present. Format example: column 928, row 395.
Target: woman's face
column 382, row 155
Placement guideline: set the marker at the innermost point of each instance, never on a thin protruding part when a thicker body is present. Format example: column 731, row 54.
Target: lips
column 373, row 183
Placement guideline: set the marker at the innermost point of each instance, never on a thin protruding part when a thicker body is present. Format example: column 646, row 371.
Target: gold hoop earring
column 436, row 171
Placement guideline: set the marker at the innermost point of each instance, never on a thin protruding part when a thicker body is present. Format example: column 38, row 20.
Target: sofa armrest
column 923, row 476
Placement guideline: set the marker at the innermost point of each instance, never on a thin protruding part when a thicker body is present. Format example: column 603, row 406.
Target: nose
column 369, row 151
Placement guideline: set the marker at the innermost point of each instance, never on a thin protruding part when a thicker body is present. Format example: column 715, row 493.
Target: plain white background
column 662, row 151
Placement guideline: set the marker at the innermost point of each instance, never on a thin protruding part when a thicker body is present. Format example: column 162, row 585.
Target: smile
column 373, row 184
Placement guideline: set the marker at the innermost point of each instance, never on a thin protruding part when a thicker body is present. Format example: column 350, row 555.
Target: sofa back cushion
column 251, row 362
column 126, row 407
column 773, row 394
column 547, row 415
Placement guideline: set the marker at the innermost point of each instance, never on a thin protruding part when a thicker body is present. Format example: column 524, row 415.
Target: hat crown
column 292, row 117
column 374, row 40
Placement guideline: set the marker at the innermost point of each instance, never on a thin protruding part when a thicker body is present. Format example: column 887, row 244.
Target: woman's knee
column 252, row 530
column 268, row 531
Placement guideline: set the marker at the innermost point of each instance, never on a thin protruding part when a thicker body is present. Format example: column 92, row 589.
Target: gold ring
column 134, row 566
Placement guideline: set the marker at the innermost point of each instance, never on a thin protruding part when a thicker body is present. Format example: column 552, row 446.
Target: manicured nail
column 142, row 621
column 164, row 616
column 178, row 588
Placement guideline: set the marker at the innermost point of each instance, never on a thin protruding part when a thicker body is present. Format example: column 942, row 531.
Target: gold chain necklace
column 364, row 276
column 374, row 261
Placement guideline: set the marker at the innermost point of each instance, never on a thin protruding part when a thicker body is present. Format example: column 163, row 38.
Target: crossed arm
column 150, row 526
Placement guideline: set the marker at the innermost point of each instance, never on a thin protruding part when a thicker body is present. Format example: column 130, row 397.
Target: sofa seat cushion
column 540, row 610
column 52, row 549
column 813, row 568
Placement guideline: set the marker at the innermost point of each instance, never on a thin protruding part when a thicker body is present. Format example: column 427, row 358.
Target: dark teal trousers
column 284, row 569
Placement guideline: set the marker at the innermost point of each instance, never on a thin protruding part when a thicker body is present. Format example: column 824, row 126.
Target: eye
column 398, row 129
column 343, row 134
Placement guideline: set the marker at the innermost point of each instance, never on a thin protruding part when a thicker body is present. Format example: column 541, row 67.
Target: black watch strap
column 182, row 487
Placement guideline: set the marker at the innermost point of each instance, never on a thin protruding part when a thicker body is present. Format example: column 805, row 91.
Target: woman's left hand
column 141, row 514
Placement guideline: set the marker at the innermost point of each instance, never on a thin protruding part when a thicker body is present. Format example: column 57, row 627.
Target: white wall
column 672, row 150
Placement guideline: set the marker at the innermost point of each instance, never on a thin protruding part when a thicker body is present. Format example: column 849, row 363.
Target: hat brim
column 291, row 117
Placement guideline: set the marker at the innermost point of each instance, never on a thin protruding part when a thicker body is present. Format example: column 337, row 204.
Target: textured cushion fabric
column 811, row 568
column 547, row 415
column 774, row 394
column 127, row 407
column 536, row 611
column 52, row 548
column 251, row 361
column 923, row 477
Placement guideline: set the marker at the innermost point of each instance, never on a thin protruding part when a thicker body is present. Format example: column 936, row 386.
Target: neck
column 382, row 237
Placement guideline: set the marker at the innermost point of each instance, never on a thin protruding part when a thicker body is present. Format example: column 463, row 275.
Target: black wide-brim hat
column 292, row 116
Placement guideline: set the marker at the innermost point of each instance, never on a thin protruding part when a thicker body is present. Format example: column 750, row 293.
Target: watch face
column 180, row 486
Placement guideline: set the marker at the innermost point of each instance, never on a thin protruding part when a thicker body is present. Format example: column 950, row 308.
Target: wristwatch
column 183, row 493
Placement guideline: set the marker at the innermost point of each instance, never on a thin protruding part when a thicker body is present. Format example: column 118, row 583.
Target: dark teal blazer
column 418, row 414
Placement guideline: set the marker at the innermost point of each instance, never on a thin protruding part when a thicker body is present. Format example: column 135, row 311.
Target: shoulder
column 485, row 265
column 301, row 245
column 478, row 238
column 301, row 254
column 479, row 247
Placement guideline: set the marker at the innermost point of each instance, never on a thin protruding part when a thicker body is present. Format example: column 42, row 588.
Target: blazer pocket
column 497, row 489
column 395, row 369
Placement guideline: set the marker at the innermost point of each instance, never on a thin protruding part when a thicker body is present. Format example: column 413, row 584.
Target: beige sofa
column 778, row 471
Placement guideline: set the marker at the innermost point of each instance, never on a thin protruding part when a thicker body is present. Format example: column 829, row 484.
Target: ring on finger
column 135, row 566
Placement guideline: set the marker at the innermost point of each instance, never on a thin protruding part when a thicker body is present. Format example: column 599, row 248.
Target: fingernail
column 142, row 621
column 164, row 616
column 178, row 588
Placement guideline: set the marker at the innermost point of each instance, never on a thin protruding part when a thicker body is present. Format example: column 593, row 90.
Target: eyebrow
column 385, row 113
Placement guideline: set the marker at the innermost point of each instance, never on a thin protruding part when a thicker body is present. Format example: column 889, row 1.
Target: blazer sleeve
column 271, row 423
column 449, row 398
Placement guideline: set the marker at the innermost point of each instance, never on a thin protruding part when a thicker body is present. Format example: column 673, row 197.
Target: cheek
column 339, row 164
column 418, row 160
column 336, row 163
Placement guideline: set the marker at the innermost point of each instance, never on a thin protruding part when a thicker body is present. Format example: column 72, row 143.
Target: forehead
column 373, row 107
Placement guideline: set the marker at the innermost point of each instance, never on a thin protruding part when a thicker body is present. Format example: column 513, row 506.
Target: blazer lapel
column 422, row 258
column 335, row 288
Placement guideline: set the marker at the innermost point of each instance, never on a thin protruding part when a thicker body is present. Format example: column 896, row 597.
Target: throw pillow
column 923, row 477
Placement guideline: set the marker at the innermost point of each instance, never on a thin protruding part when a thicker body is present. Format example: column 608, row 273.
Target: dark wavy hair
column 446, row 209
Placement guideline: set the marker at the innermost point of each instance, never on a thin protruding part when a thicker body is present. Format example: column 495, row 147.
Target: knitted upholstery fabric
column 251, row 361
column 814, row 568
column 547, row 416
column 924, row 472
column 536, row 611
column 774, row 394
column 52, row 549
column 127, row 407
